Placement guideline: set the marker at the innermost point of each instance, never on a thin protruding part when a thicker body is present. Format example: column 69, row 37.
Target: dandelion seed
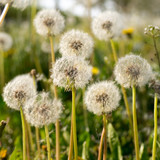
column 132, row 70
column 102, row 98
column 72, row 70
column 20, row 4
column 5, row 41
column 107, row 25
column 18, row 91
column 49, row 22
column 76, row 42
column 42, row 110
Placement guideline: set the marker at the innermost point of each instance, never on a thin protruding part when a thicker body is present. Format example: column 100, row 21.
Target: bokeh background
column 30, row 51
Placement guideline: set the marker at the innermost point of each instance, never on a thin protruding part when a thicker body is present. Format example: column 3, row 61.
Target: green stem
column 74, row 123
column 135, row 128
column 38, row 144
column 105, row 138
column 5, row 10
column 155, row 128
column 48, row 143
column 71, row 142
column 2, row 82
column 101, row 145
column 123, row 89
column 24, row 134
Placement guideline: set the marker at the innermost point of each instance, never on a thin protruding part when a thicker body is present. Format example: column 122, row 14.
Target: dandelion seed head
column 18, row 91
column 42, row 110
column 102, row 97
column 71, row 70
column 20, row 4
column 5, row 41
column 76, row 42
column 132, row 70
column 107, row 25
column 49, row 22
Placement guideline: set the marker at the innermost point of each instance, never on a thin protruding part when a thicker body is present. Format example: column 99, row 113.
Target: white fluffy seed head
column 20, row 4
column 107, row 25
column 71, row 71
column 49, row 22
column 5, row 41
column 132, row 70
column 18, row 91
column 42, row 110
column 76, row 42
column 102, row 97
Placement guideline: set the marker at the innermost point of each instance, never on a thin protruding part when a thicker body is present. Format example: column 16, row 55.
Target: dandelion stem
column 38, row 143
column 157, row 53
column 56, row 96
column 135, row 129
column 30, row 136
column 74, row 123
column 71, row 142
column 101, row 145
column 105, row 138
column 27, row 141
column 123, row 89
column 155, row 128
column 5, row 10
column 24, row 134
column 48, row 143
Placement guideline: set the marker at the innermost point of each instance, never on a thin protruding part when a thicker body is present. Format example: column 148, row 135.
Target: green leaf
column 17, row 152
column 114, row 143
column 143, row 153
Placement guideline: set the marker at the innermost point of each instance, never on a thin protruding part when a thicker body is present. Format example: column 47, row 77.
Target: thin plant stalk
column 24, row 134
column 71, row 142
column 36, row 128
column 27, row 141
column 122, row 88
column 48, row 143
column 38, row 142
column 105, row 138
column 56, row 96
column 3, row 15
column 101, row 145
column 30, row 136
column 155, row 128
column 2, row 69
column 74, row 123
column 135, row 128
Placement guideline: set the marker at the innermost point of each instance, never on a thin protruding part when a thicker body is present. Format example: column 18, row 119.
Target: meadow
column 71, row 122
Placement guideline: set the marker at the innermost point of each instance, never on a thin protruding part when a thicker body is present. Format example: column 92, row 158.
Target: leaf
column 143, row 152
column 17, row 152
column 114, row 143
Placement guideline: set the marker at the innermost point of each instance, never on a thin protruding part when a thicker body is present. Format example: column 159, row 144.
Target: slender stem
column 101, row 145
column 30, row 136
column 71, row 142
column 48, row 143
column 56, row 96
column 127, row 107
column 24, row 134
column 105, row 138
column 74, row 123
column 114, row 50
column 135, row 129
column 123, row 89
column 5, row 10
column 155, row 128
column 157, row 53
column 27, row 141
column 38, row 143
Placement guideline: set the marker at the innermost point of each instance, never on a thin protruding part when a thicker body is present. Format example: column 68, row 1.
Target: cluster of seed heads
column 153, row 31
